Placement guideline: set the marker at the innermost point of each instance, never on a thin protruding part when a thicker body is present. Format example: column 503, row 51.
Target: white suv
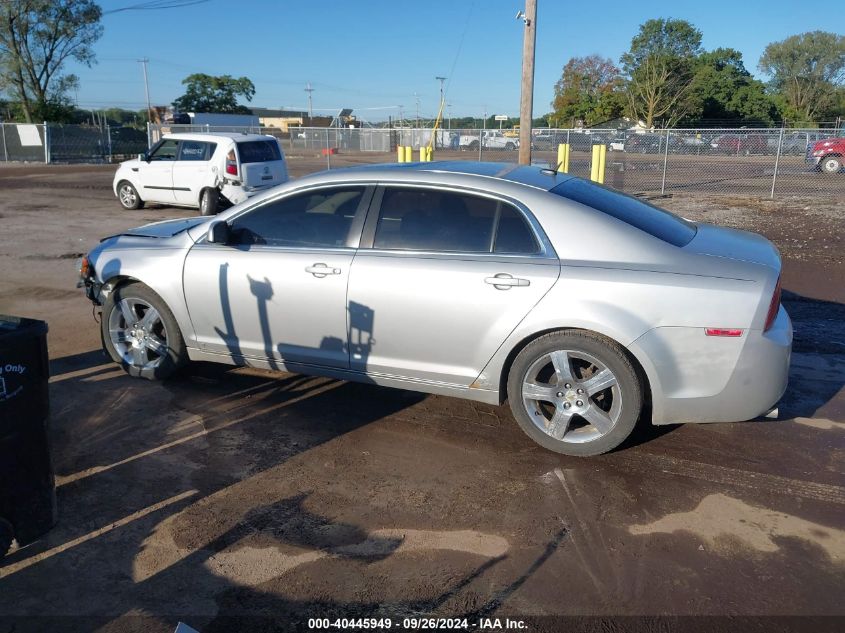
column 205, row 171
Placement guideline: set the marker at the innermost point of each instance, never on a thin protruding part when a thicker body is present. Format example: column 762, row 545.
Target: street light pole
column 144, row 63
column 526, row 105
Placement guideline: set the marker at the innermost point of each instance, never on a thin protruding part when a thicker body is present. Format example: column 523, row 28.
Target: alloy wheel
column 572, row 396
column 137, row 333
column 128, row 197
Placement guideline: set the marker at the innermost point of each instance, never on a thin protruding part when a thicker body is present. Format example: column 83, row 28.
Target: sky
column 377, row 55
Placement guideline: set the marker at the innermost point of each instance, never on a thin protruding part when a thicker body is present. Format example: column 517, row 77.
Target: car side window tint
column 434, row 220
column 165, row 151
column 314, row 219
column 513, row 235
column 196, row 150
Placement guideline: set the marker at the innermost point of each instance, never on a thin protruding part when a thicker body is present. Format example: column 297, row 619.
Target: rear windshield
column 259, row 151
column 639, row 214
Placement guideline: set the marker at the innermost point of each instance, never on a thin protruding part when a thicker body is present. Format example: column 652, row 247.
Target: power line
column 154, row 5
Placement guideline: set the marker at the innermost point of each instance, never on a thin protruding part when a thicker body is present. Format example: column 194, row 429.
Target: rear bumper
column 704, row 379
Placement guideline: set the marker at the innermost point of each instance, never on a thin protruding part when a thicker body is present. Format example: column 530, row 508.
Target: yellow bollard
column 429, row 154
column 409, row 154
column 422, row 154
column 594, row 164
column 563, row 158
column 602, row 161
column 400, row 154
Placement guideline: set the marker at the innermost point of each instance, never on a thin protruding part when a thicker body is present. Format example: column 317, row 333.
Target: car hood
column 743, row 246
column 165, row 228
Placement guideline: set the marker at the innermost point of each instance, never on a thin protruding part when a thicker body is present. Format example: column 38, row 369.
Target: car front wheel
column 128, row 196
column 575, row 392
column 140, row 333
column 831, row 164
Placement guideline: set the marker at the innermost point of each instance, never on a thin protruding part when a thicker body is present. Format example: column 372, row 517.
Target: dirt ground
column 236, row 498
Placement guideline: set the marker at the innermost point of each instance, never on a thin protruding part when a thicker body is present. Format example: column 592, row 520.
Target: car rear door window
column 196, row 150
column 633, row 211
column 259, row 151
column 313, row 219
column 443, row 221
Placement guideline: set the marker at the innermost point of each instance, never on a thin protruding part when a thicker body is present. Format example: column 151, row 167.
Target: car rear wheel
column 128, row 196
column 140, row 333
column 510, row 147
column 831, row 164
column 575, row 392
column 6, row 537
column 209, row 202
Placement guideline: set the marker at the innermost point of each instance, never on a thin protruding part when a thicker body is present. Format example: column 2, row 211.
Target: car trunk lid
column 743, row 246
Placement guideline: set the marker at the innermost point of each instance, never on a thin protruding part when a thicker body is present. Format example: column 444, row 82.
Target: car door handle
column 504, row 281
column 321, row 270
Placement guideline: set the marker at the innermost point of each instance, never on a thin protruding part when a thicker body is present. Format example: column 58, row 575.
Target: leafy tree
column 36, row 38
column 722, row 89
column 806, row 69
column 660, row 67
column 588, row 91
column 206, row 93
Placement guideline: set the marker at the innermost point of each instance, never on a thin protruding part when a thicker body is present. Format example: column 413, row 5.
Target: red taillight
column 721, row 331
column 774, row 306
column 231, row 163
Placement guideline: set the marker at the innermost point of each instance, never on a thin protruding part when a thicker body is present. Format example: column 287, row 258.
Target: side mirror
column 218, row 233
column 144, row 157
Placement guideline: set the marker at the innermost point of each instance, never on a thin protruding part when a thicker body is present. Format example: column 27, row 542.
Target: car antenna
column 550, row 171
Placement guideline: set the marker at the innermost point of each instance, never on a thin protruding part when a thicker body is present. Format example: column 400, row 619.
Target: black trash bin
column 27, row 487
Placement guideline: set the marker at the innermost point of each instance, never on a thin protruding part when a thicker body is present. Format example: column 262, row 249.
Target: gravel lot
column 230, row 493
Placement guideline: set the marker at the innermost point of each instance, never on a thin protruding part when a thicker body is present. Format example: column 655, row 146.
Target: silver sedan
column 581, row 306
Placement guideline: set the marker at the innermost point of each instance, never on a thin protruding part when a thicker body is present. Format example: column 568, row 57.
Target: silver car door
column 446, row 276
column 278, row 289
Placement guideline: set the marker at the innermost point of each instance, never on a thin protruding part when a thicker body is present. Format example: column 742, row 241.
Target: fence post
column 46, row 144
column 480, row 144
column 777, row 162
column 328, row 152
column 149, row 137
column 5, row 149
column 108, row 132
column 665, row 162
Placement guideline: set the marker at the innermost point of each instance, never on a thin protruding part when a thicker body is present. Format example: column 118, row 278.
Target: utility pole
column 449, row 110
column 441, row 80
column 417, row 97
column 401, row 116
column 309, row 90
column 526, row 104
column 144, row 61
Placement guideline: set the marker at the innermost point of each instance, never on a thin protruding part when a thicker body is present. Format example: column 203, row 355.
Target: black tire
column 165, row 350
column 128, row 196
column 510, row 147
column 473, row 145
column 209, row 201
column 626, row 387
column 7, row 534
column 831, row 164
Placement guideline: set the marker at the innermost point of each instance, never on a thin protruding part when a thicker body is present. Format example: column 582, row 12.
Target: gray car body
column 435, row 326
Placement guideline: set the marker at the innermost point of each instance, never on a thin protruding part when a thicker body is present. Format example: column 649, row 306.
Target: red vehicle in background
column 745, row 144
column 826, row 155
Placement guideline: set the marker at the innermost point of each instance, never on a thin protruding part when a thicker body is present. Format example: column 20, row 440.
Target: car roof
column 533, row 176
column 201, row 136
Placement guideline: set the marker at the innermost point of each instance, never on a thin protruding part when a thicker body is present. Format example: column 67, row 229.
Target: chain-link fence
column 752, row 162
column 55, row 143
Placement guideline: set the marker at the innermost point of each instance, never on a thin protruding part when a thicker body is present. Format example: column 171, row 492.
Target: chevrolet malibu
column 585, row 308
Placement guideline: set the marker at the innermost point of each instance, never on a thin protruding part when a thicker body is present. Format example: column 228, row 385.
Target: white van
column 204, row 171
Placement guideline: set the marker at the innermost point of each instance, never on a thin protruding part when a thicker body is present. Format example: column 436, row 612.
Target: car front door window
column 317, row 219
column 166, row 151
